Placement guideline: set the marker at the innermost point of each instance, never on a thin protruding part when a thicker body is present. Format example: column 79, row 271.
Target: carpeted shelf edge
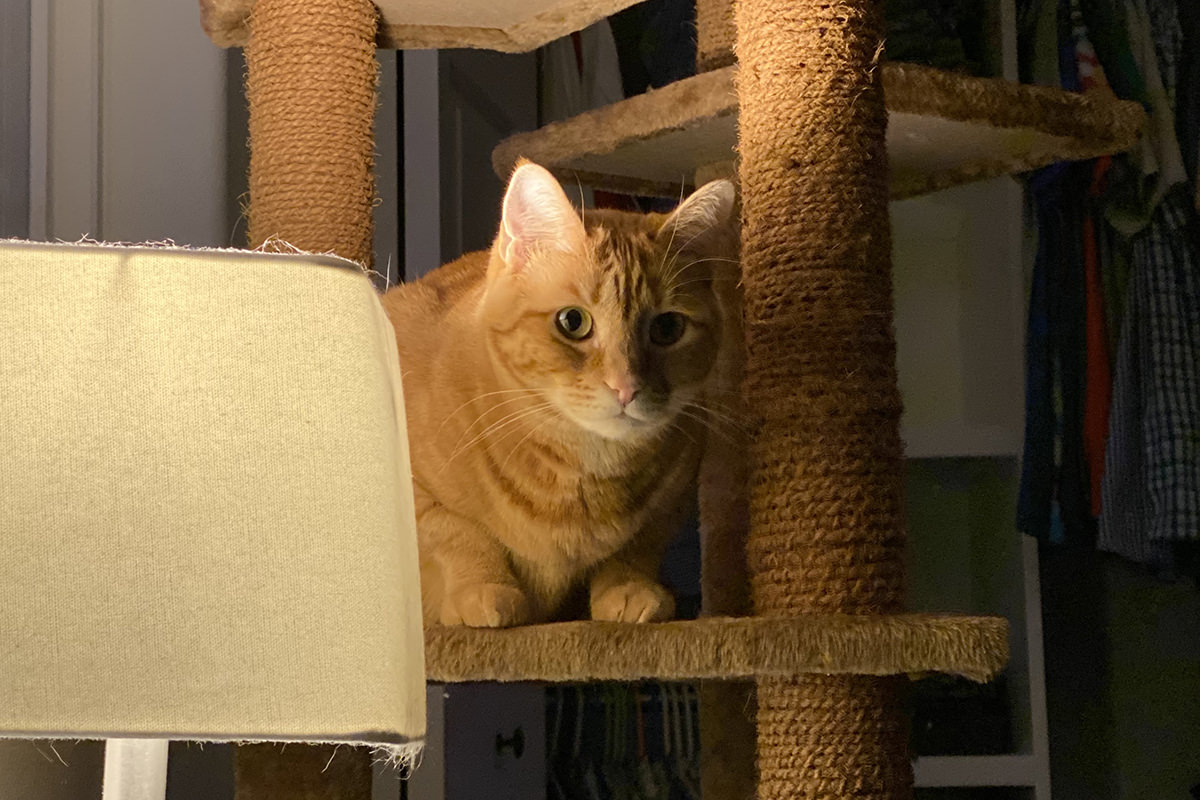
column 1047, row 125
column 1096, row 122
column 226, row 23
column 721, row 648
column 682, row 104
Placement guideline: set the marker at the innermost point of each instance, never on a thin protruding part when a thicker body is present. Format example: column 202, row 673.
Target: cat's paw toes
column 633, row 601
column 486, row 605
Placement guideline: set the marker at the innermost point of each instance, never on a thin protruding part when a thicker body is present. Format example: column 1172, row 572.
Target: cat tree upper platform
column 514, row 26
column 943, row 129
column 721, row 648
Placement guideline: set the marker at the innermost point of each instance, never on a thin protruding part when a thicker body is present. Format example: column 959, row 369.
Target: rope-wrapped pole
column 826, row 491
column 311, row 78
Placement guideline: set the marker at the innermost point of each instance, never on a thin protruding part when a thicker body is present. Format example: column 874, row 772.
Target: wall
column 14, row 118
column 127, row 138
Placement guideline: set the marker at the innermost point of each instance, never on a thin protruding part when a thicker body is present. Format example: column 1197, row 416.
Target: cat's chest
column 580, row 526
column 568, row 513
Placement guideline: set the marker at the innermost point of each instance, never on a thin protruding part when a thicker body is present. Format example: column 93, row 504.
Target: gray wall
column 14, row 118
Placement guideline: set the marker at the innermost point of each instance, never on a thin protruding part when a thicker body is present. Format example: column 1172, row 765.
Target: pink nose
column 624, row 389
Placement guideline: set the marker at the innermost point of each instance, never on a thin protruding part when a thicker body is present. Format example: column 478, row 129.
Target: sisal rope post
column 826, row 495
column 311, row 78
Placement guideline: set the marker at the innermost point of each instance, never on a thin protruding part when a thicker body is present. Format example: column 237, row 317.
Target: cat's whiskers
column 676, row 426
column 712, row 417
column 459, row 446
column 532, row 430
column 674, row 229
column 682, row 249
column 707, row 424
column 495, row 427
column 675, row 287
column 727, row 413
column 670, row 279
column 582, row 204
column 481, row 397
column 534, row 427
column 467, row 431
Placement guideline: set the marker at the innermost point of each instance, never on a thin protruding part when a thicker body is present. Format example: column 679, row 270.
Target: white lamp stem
column 135, row 769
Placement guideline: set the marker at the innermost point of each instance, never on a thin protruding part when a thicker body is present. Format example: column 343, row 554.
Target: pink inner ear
column 536, row 214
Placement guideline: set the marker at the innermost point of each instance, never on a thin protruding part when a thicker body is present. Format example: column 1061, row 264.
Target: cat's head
column 613, row 318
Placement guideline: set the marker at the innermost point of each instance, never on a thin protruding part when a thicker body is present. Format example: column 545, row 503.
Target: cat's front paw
column 486, row 605
column 633, row 601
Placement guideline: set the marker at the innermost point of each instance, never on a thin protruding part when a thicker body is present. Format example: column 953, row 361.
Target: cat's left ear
column 705, row 220
column 536, row 216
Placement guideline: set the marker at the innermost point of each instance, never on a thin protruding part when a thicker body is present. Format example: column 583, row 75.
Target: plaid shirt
column 1152, row 465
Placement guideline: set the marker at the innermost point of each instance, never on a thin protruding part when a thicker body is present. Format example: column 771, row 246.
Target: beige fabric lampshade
column 206, row 515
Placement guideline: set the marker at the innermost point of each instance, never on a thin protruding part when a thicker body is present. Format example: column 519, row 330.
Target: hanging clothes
column 1156, row 162
column 1066, row 380
column 1098, row 373
column 579, row 72
column 1151, row 483
column 1152, row 479
column 1054, row 502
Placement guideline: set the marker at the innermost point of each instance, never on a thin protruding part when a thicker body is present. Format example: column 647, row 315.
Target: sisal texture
column 826, row 491
column 832, row 737
column 826, row 525
column 310, row 82
column 720, row 648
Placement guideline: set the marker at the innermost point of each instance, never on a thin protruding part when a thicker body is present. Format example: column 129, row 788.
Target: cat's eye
column 574, row 322
column 667, row 329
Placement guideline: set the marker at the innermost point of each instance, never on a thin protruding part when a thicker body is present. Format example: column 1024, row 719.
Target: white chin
column 620, row 427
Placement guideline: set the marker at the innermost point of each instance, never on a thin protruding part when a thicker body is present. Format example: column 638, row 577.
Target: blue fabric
column 1053, row 503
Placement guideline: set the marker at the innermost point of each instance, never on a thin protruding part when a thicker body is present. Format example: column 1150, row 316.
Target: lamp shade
column 206, row 514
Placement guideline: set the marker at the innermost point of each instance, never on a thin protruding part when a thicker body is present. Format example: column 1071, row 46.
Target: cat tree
column 805, row 604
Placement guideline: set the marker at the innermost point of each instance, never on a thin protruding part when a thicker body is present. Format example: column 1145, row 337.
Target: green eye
column 574, row 322
column 667, row 329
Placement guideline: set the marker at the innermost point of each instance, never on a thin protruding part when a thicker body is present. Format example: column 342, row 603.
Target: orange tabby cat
column 555, row 388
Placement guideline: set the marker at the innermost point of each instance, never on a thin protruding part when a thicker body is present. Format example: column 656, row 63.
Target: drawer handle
column 516, row 742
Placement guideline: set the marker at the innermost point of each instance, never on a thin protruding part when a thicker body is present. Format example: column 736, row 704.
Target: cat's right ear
column 536, row 216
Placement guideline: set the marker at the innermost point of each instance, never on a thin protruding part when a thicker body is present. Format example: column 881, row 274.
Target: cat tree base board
column 721, row 648
column 515, row 26
column 944, row 129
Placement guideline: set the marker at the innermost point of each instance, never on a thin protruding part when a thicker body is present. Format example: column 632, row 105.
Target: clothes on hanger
column 1118, row 271
column 622, row 742
column 1065, row 392
column 578, row 73
column 1152, row 479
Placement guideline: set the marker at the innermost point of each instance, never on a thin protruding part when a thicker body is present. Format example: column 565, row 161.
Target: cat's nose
column 624, row 388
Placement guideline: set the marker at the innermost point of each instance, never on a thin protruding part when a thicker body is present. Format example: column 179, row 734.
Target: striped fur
column 531, row 481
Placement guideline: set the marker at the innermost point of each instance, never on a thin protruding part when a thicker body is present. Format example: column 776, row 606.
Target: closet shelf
column 513, row 26
column 727, row 648
column 944, row 129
